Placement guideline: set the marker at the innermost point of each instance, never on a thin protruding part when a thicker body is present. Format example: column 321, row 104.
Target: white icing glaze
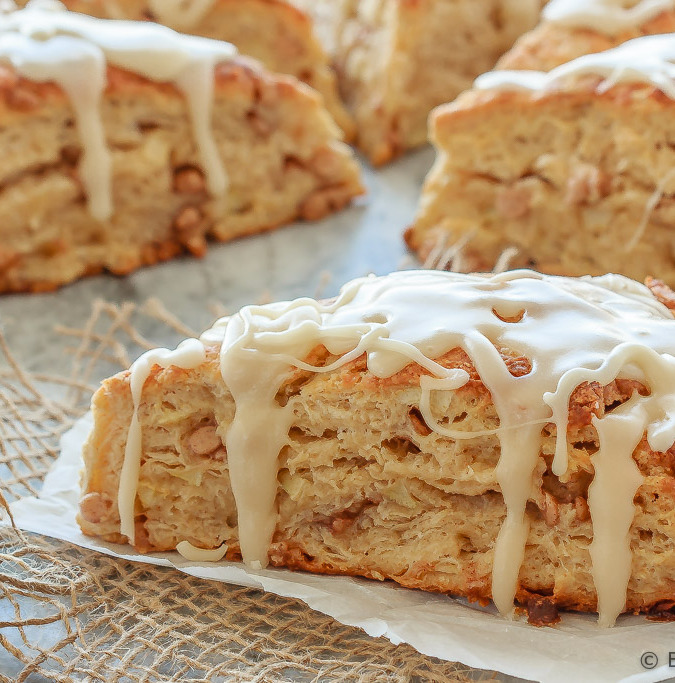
column 610, row 501
column 519, row 456
column 605, row 16
column 649, row 60
column 571, row 330
column 180, row 14
column 7, row 6
column 194, row 554
column 45, row 43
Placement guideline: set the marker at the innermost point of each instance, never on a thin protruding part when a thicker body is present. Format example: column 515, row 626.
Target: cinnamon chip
column 542, row 611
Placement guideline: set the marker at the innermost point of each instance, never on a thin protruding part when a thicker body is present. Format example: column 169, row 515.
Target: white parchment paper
column 575, row 650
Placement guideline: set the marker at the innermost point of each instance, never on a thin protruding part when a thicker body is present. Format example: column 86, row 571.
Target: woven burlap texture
column 68, row 614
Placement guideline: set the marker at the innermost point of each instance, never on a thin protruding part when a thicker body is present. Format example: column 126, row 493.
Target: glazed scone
column 272, row 31
column 396, row 59
column 112, row 170
column 573, row 169
column 571, row 28
column 504, row 437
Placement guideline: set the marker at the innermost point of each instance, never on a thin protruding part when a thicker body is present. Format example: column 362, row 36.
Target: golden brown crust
column 364, row 478
column 161, row 206
column 662, row 292
column 479, row 102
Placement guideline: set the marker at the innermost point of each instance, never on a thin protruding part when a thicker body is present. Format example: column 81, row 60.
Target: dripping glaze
column 605, row 16
column 46, row 43
column 571, row 330
column 649, row 60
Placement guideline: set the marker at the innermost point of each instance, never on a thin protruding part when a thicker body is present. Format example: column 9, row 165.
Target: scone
column 272, row 31
column 571, row 28
column 572, row 169
column 396, row 60
column 125, row 143
column 505, row 437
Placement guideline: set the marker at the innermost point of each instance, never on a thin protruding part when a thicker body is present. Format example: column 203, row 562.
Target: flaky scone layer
column 578, row 182
column 367, row 488
column 279, row 146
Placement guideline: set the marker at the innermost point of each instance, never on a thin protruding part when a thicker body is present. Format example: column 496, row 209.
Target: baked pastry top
column 497, row 437
column 126, row 142
column 272, row 31
column 571, row 28
column 572, row 168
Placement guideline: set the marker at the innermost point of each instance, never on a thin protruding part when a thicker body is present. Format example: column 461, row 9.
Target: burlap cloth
column 68, row 614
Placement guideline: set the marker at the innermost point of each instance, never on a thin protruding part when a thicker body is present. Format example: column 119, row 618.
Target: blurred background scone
column 396, row 60
column 127, row 143
column 573, row 169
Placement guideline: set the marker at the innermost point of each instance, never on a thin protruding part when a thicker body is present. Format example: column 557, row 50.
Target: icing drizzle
column 571, row 330
column 649, row 60
column 45, row 43
column 194, row 554
column 605, row 16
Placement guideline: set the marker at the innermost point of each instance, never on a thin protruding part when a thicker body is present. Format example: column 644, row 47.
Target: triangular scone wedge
column 455, row 433
column 571, row 28
column 397, row 60
column 571, row 169
column 275, row 156
column 273, row 31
